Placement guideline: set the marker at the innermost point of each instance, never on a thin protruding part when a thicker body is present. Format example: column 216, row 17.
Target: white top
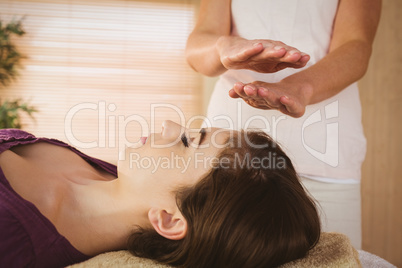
column 328, row 141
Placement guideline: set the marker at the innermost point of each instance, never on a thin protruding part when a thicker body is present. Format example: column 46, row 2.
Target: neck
column 103, row 213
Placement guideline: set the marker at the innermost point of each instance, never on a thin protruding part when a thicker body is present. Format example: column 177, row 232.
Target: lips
column 143, row 140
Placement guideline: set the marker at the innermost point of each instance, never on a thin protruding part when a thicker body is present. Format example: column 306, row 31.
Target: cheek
column 194, row 173
column 205, row 160
column 163, row 170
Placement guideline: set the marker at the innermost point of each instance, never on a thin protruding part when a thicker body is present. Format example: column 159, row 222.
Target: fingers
column 245, row 54
column 256, row 104
column 260, row 97
column 237, row 90
column 282, row 53
column 233, row 94
column 275, row 52
column 285, row 105
column 255, row 96
column 296, row 59
column 255, row 93
column 293, row 108
column 299, row 64
column 249, row 94
column 271, row 98
column 244, row 91
column 250, row 90
column 304, row 59
column 292, row 56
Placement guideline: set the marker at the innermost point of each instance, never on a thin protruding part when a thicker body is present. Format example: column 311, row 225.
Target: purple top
column 27, row 238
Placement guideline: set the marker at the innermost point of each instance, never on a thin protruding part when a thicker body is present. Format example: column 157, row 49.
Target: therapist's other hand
column 289, row 98
column 263, row 56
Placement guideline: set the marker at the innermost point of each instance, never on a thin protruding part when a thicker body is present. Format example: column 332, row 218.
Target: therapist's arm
column 213, row 22
column 347, row 61
column 211, row 50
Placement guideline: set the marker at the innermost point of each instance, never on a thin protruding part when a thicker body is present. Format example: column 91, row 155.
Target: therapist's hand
column 289, row 98
column 263, row 56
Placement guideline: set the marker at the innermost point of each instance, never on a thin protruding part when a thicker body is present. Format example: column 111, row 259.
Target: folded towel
column 120, row 259
column 333, row 250
column 369, row 260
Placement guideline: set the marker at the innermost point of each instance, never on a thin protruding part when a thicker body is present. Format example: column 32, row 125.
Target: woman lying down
column 225, row 200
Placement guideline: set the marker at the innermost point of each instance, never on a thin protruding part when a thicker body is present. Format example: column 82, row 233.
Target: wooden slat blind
column 116, row 56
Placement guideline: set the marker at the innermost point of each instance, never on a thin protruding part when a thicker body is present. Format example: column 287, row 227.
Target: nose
column 171, row 130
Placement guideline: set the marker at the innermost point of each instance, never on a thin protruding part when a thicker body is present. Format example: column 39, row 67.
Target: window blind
column 102, row 71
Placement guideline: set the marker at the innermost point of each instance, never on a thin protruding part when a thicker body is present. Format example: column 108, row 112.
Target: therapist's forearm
column 202, row 54
column 214, row 21
column 340, row 68
column 350, row 49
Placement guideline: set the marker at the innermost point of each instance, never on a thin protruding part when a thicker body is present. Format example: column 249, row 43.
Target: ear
column 168, row 225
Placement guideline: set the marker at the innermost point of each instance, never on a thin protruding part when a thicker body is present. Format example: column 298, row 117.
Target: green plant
column 10, row 61
column 10, row 58
column 10, row 113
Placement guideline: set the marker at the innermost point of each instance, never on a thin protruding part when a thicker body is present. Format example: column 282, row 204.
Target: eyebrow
column 203, row 134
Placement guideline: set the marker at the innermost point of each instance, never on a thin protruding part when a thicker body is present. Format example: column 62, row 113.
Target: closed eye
column 184, row 140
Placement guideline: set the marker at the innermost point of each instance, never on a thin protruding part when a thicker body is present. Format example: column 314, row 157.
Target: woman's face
column 175, row 157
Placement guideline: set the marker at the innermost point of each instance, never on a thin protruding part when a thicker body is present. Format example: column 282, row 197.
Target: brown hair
column 240, row 215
